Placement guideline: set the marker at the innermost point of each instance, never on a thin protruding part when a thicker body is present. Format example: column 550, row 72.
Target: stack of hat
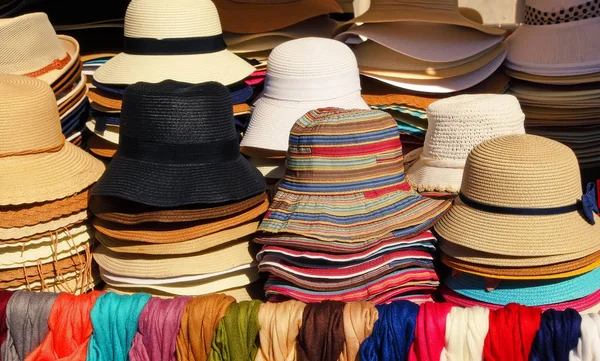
column 439, row 53
column 44, row 239
column 178, row 205
column 179, row 40
column 344, row 224
column 29, row 46
column 456, row 125
column 555, row 56
column 521, row 230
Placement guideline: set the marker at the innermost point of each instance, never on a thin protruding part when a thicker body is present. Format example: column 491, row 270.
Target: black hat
column 178, row 146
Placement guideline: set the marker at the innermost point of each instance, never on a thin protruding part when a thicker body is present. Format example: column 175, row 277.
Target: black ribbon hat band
column 174, row 46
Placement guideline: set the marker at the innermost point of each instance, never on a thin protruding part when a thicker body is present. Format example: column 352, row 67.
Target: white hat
column 456, row 125
column 559, row 38
column 302, row 75
column 177, row 39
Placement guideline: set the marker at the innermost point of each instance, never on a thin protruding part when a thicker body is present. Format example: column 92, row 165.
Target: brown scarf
column 280, row 324
column 321, row 336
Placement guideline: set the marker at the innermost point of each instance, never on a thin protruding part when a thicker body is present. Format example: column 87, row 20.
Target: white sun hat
column 456, row 125
column 178, row 39
column 302, row 75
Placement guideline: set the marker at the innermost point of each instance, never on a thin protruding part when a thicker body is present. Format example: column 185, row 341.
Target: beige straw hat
column 179, row 40
column 521, row 196
column 29, row 46
column 456, row 125
column 37, row 164
column 40, row 228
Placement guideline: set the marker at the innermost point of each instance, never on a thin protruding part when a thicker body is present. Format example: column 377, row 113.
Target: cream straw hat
column 456, row 125
column 179, row 40
column 37, row 164
column 29, row 46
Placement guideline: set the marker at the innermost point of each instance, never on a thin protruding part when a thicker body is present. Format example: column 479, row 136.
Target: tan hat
column 100, row 147
column 40, row 228
column 73, row 282
column 37, row 164
column 29, row 46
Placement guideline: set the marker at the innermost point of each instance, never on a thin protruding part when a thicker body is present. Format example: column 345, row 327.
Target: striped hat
column 345, row 181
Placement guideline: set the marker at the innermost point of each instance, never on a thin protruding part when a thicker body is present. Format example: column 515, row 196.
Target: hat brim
column 553, row 80
column 101, row 147
column 41, row 228
column 71, row 47
column 110, row 134
column 426, row 178
column 125, row 69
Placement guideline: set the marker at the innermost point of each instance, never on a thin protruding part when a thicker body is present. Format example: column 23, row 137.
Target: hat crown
column 159, row 19
column 448, row 5
column 459, row 123
column 27, row 107
column 522, row 171
column 172, row 112
column 28, row 43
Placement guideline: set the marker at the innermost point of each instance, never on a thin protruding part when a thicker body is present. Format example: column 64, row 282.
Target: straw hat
column 260, row 16
column 302, row 75
column 37, row 164
column 456, row 125
column 40, row 228
column 179, row 40
column 341, row 188
column 178, row 146
column 520, row 197
column 29, row 46
column 558, row 80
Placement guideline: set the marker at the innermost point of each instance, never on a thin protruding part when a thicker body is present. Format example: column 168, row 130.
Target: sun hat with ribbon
column 29, row 46
column 178, row 146
column 456, row 125
column 345, row 180
column 521, row 197
column 180, row 40
column 302, row 75
column 37, row 164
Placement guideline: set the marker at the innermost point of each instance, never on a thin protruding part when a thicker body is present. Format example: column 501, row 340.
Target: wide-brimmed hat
column 178, row 146
column 179, row 40
column 29, row 46
column 302, row 75
column 40, row 228
column 37, row 164
column 345, row 180
column 521, row 197
column 456, row 125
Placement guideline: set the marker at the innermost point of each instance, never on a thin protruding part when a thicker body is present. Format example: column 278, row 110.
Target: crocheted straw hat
column 345, row 181
column 178, row 146
column 456, row 125
column 520, row 197
column 30, row 47
column 302, row 75
column 260, row 16
column 177, row 39
column 37, row 164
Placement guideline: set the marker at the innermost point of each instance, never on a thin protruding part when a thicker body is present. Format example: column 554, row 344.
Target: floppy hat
column 29, row 46
column 40, row 228
column 178, row 146
column 260, row 16
column 345, row 180
column 37, row 164
column 456, row 125
column 557, row 80
column 179, row 40
column 521, row 196
column 302, row 75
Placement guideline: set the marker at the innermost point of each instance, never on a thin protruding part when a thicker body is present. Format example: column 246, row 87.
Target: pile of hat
column 178, row 205
column 179, row 40
column 521, row 231
column 555, row 56
column 45, row 242
column 30, row 47
column 344, row 223
column 413, row 52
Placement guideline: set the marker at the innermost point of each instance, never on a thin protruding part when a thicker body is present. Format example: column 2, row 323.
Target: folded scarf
column 279, row 327
column 199, row 320
column 236, row 338
column 321, row 336
column 588, row 346
column 27, row 316
column 558, row 334
column 158, row 327
column 393, row 333
column 359, row 319
column 4, row 298
column 115, row 322
column 466, row 330
column 430, row 333
column 511, row 333
column 70, row 329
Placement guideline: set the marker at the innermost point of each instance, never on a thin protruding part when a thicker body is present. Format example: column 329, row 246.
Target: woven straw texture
column 41, row 228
